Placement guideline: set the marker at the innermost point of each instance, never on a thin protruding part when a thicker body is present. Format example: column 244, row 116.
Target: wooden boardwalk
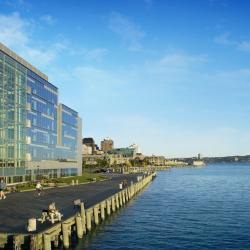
column 17, row 208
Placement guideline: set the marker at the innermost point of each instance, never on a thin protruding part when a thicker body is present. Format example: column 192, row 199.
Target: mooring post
column 56, row 241
column 123, row 197
column 117, row 200
column 17, row 242
column 113, row 203
column 65, row 229
column 96, row 214
column 120, row 198
column 126, row 195
column 88, row 219
column 32, row 242
column 129, row 192
column 47, row 242
column 83, row 218
column 108, row 207
column 103, row 210
column 79, row 228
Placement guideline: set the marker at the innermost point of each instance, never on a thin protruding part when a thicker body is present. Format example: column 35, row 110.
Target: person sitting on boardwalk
column 39, row 188
column 2, row 188
column 53, row 213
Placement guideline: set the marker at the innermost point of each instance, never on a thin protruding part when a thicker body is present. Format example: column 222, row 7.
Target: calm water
column 204, row 208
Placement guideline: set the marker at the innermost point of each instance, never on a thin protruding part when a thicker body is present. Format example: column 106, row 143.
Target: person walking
column 39, row 188
column 2, row 188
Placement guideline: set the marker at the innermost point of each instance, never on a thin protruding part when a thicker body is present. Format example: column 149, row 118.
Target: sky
column 172, row 76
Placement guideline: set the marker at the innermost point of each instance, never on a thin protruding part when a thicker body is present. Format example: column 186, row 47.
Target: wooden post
column 83, row 217
column 32, row 242
column 88, row 219
column 103, row 210
column 117, row 200
column 123, row 197
column 120, row 198
column 113, row 203
column 79, row 228
column 96, row 214
column 65, row 229
column 47, row 242
column 126, row 195
column 17, row 242
column 56, row 241
column 129, row 193
column 108, row 207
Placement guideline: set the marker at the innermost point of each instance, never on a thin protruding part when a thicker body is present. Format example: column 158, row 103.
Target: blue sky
column 171, row 76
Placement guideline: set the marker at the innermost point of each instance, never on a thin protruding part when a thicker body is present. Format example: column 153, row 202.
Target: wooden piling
column 79, row 227
column 113, row 203
column 96, row 214
column 108, row 207
column 123, row 197
column 117, row 200
column 65, row 229
column 56, row 241
column 47, row 241
column 88, row 219
column 83, row 216
column 120, row 198
column 103, row 210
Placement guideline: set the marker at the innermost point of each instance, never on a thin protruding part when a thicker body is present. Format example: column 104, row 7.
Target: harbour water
column 185, row 208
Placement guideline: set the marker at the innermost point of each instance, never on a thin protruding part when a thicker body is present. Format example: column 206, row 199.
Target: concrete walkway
column 17, row 208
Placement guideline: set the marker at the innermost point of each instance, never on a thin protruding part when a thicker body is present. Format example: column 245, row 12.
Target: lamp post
column 38, row 172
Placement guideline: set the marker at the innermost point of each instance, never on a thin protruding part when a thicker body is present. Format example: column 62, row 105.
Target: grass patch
column 84, row 178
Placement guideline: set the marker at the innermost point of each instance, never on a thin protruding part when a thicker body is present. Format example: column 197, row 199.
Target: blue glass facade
column 38, row 136
column 42, row 99
column 69, row 133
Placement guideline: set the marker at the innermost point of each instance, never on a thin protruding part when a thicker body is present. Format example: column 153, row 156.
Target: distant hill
column 224, row 159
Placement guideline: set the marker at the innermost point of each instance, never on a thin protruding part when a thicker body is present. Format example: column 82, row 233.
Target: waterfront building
column 156, row 160
column 89, row 142
column 135, row 147
column 86, row 150
column 107, row 144
column 117, row 159
column 125, row 152
column 39, row 137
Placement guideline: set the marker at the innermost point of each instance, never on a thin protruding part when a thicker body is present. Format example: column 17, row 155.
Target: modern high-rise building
column 107, row 144
column 38, row 136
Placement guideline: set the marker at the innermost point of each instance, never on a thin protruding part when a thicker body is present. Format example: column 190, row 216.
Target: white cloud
column 93, row 77
column 130, row 33
column 16, row 33
column 96, row 54
column 13, row 30
column 224, row 39
column 48, row 19
column 180, row 60
column 17, row 4
column 244, row 46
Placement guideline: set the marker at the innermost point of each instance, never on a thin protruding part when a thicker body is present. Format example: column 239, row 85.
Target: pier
column 96, row 201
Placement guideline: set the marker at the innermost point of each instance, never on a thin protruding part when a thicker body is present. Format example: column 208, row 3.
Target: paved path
column 17, row 208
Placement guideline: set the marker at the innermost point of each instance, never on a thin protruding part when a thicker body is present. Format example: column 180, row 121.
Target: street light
column 38, row 171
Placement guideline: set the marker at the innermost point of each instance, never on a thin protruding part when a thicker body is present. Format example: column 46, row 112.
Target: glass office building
column 38, row 136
